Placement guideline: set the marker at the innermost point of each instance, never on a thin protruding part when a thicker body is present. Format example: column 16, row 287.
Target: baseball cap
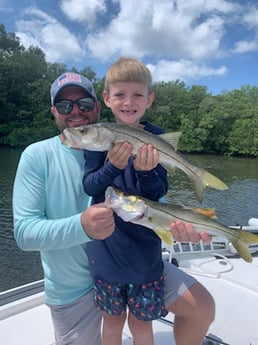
column 71, row 79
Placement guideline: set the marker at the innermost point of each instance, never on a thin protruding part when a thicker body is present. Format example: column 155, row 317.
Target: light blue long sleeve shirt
column 48, row 200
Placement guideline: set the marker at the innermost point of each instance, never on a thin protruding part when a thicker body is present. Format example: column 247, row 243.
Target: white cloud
column 251, row 17
column 222, row 6
column 183, row 70
column 184, row 36
column 245, row 47
column 250, row 44
column 182, row 29
column 44, row 31
column 83, row 11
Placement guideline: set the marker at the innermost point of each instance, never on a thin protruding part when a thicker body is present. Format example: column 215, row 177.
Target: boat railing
column 218, row 245
column 18, row 299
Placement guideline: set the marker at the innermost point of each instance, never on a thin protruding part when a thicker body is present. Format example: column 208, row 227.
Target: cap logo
column 68, row 78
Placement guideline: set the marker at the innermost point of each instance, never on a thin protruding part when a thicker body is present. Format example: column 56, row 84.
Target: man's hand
column 98, row 221
column 185, row 232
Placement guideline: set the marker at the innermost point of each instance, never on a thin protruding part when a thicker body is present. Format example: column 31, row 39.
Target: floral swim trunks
column 145, row 301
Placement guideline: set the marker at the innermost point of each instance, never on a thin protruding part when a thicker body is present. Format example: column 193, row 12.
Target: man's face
column 76, row 117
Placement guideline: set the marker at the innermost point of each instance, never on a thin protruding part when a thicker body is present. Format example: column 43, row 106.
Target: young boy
column 127, row 267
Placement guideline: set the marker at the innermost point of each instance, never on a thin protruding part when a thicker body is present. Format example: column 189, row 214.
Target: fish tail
column 206, row 179
column 198, row 187
column 212, row 181
column 242, row 244
column 248, row 236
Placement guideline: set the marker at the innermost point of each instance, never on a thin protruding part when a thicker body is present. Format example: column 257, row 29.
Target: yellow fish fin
column 242, row 244
column 243, row 250
column 209, row 212
column 248, row 237
column 206, row 179
column 164, row 235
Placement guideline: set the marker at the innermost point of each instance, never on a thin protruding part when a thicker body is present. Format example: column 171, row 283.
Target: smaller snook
column 158, row 217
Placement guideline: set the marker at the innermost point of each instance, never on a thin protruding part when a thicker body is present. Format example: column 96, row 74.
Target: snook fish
column 158, row 217
column 102, row 136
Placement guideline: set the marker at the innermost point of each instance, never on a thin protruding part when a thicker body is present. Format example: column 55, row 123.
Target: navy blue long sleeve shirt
column 132, row 254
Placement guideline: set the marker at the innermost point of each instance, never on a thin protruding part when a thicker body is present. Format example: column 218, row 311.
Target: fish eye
column 83, row 129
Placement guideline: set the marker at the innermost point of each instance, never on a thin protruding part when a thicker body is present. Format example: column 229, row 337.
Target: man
column 53, row 215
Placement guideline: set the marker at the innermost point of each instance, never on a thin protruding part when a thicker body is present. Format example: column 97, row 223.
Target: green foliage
column 243, row 139
column 224, row 124
column 168, row 105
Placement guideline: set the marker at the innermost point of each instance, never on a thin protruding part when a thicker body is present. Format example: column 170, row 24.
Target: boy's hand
column 120, row 153
column 147, row 158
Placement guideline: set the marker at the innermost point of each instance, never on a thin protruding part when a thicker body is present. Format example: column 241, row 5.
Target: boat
column 25, row 319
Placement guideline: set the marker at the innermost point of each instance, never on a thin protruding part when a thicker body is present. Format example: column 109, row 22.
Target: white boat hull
column 25, row 319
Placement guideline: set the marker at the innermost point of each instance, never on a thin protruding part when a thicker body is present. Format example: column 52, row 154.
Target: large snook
column 158, row 217
column 102, row 136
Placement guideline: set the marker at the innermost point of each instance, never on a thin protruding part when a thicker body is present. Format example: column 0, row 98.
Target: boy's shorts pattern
column 145, row 301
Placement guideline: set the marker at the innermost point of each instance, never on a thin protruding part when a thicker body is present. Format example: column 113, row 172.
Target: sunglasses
column 65, row 107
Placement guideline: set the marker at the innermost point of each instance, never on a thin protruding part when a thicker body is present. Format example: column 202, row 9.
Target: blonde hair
column 128, row 70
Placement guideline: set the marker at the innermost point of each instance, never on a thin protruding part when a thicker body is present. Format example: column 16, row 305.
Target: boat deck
column 33, row 326
column 25, row 319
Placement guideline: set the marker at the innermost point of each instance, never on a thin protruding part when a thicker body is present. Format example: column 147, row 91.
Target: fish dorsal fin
column 163, row 234
column 172, row 138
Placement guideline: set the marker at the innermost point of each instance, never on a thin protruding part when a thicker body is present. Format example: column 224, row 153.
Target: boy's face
column 128, row 101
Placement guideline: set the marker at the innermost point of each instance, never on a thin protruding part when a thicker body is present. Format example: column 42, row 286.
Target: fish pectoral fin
column 172, row 138
column 209, row 212
column 164, row 235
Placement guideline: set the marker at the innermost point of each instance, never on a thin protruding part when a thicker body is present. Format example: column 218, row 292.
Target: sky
column 213, row 43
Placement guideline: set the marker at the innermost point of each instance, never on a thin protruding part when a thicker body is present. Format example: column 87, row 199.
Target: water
column 17, row 267
column 234, row 206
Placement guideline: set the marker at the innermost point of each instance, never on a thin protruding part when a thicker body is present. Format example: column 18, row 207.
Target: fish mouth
column 67, row 139
column 128, row 217
column 111, row 198
column 125, row 211
column 141, row 216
